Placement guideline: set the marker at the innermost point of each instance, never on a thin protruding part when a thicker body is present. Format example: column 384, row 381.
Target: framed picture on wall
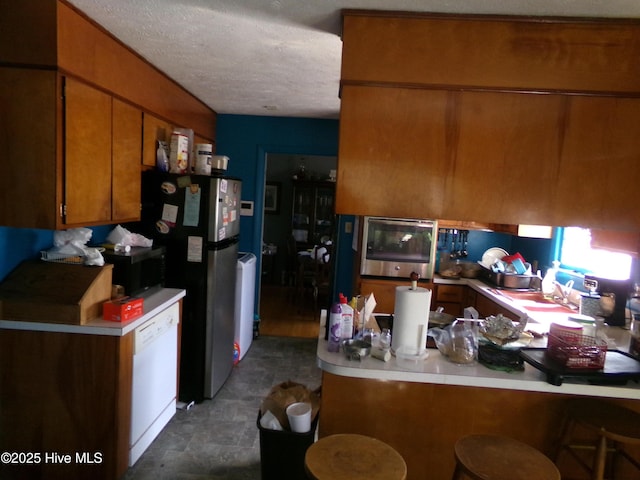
column 272, row 197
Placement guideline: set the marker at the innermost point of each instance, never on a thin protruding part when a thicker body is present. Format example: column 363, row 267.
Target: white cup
column 299, row 415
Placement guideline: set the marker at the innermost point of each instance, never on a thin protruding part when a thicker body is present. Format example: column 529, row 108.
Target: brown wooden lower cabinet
column 422, row 421
column 488, row 307
column 384, row 291
column 65, row 394
column 449, row 297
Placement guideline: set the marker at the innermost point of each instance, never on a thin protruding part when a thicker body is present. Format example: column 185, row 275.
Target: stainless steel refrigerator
column 197, row 219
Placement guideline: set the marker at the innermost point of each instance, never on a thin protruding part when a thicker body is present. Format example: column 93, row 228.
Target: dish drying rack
column 57, row 257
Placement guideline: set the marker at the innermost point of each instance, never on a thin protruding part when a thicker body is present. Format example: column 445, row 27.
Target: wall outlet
column 348, row 227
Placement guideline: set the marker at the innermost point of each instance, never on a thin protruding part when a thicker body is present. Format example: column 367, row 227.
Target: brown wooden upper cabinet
column 71, row 119
column 496, row 120
column 77, row 153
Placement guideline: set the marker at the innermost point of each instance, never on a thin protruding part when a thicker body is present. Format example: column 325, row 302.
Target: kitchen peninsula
column 68, row 389
column 422, row 413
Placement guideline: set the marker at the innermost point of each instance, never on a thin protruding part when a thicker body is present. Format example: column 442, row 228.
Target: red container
column 577, row 351
column 122, row 309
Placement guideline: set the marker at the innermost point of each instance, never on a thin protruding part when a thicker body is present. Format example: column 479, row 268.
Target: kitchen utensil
column 464, row 245
column 454, row 238
column 356, row 349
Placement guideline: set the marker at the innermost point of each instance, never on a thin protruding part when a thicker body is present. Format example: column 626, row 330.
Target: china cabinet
column 313, row 213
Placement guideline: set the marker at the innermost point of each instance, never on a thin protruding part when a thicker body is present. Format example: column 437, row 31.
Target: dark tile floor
column 218, row 438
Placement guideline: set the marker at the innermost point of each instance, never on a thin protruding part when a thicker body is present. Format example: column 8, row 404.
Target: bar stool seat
column 353, row 457
column 614, row 427
column 493, row 457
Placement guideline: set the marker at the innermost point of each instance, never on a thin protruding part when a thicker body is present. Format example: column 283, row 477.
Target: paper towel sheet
column 411, row 317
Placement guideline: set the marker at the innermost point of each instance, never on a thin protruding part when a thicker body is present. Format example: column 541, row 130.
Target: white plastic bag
column 121, row 236
column 269, row 421
column 73, row 242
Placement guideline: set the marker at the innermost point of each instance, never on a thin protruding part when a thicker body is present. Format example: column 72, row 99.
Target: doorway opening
column 287, row 307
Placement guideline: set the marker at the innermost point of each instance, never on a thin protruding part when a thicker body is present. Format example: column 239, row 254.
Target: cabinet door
column 87, row 176
column 505, row 169
column 28, row 116
column 394, row 152
column 450, row 298
column 488, row 307
column 384, row 292
column 127, row 150
column 599, row 172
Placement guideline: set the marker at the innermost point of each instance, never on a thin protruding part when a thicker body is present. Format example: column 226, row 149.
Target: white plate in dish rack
column 491, row 256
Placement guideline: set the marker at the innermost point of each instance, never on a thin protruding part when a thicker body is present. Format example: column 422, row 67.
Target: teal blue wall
column 247, row 140
column 19, row 244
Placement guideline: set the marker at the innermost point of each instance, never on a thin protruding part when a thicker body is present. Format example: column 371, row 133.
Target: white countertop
column 537, row 320
column 153, row 304
column 438, row 370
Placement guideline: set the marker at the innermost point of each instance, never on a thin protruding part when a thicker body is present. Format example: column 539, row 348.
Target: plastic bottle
column 549, row 280
column 335, row 328
column 347, row 318
column 162, row 160
column 384, row 342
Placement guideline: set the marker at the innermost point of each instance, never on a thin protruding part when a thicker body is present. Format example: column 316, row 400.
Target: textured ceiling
column 278, row 57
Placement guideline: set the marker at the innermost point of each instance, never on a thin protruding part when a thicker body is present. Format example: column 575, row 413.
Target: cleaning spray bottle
column 549, row 280
column 347, row 318
column 335, row 327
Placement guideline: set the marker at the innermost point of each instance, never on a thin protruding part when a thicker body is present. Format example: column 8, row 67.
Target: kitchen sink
column 536, row 297
column 535, row 301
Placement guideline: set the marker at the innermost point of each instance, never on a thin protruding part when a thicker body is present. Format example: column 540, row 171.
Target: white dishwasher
column 154, row 386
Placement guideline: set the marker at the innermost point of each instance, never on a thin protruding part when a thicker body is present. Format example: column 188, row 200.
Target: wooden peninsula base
column 422, row 421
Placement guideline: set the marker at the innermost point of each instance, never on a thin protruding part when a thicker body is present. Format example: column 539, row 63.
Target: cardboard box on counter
column 123, row 309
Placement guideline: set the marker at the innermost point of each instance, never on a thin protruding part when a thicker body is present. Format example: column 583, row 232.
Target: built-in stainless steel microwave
column 396, row 247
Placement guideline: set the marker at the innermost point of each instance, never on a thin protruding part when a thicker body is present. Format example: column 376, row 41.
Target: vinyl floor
column 219, row 438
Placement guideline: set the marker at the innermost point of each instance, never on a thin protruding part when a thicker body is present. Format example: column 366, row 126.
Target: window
column 576, row 254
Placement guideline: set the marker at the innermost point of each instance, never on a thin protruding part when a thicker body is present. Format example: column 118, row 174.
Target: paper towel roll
column 411, row 317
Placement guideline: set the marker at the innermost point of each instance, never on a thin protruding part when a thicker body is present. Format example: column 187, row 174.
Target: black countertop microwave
column 139, row 270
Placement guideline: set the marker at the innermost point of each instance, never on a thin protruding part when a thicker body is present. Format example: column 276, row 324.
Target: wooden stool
column 353, row 457
column 492, row 457
column 615, row 426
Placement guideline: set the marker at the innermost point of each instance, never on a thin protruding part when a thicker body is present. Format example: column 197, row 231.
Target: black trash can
column 282, row 452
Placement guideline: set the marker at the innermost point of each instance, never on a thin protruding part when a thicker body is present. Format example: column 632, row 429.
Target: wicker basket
column 576, row 351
